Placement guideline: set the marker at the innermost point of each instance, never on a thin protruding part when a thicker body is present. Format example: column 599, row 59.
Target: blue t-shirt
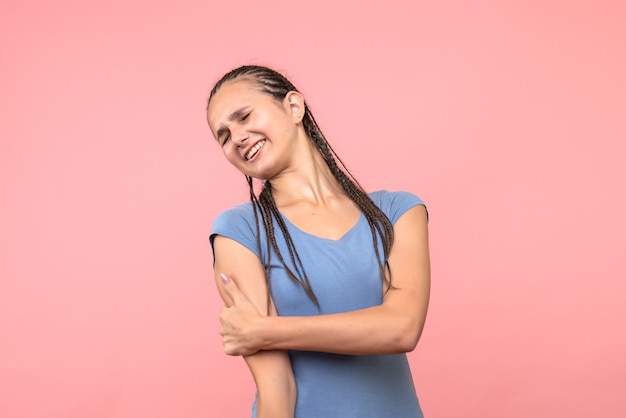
column 345, row 276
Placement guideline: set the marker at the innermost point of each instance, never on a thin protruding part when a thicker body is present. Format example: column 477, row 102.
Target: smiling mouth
column 255, row 149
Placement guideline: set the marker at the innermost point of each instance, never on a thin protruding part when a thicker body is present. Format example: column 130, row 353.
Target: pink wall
column 508, row 118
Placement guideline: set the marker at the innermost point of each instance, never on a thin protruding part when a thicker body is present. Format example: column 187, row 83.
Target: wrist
column 262, row 332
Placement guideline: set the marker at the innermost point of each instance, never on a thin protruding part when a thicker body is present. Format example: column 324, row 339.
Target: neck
column 310, row 181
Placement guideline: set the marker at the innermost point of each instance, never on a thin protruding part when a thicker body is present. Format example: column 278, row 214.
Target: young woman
column 326, row 287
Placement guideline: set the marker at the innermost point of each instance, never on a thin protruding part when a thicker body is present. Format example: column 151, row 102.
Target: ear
column 294, row 104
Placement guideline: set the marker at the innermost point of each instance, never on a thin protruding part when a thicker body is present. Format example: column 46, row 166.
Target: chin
column 263, row 175
column 257, row 176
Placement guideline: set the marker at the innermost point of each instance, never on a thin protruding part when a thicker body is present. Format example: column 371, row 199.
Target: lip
column 247, row 150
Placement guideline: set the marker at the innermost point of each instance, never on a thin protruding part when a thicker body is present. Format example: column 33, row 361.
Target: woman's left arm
column 394, row 326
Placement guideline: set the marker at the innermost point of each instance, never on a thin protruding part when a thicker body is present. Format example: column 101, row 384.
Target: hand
column 237, row 322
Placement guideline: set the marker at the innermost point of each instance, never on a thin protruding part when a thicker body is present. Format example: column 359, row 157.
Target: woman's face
column 256, row 132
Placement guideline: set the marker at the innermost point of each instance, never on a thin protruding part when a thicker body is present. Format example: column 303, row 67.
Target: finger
column 224, row 321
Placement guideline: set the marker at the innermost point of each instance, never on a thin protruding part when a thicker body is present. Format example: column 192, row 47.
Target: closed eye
column 223, row 134
column 224, row 139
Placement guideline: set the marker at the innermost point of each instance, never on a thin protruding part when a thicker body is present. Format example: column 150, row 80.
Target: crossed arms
column 392, row 327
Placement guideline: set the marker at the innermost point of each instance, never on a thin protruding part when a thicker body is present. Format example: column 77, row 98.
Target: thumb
column 230, row 287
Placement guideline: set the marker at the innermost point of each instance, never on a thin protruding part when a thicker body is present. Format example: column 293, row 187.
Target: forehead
column 232, row 96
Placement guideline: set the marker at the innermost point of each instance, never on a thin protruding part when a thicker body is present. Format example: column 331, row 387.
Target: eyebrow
column 233, row 116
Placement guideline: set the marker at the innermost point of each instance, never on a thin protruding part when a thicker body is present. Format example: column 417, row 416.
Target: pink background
column 507, row 118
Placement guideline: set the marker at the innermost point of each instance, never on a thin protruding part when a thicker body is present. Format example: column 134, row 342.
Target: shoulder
column 237, row 223
column 234, row 217
column 395, row 204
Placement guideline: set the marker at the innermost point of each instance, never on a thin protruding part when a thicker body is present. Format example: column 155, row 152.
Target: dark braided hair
column 276, row 85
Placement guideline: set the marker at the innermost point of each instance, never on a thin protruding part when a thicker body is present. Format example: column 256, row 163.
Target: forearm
column 276, row 403
column 376, row 330
column 276, row 386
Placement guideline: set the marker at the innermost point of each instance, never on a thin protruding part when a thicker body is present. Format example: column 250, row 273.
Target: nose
column 239, row 136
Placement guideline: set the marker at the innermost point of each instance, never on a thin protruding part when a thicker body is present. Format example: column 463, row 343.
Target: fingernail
column 224, row 278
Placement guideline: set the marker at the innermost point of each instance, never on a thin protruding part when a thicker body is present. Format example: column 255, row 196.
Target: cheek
column 228, row 153
column 232, row 156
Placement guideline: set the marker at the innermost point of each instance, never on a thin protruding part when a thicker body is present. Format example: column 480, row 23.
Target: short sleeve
column 395, row 204
column 237, row 224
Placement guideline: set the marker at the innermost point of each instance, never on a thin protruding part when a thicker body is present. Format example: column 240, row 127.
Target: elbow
column 406, row 344
column 407, row 338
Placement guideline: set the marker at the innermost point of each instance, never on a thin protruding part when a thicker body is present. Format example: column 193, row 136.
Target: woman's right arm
column 272, row 372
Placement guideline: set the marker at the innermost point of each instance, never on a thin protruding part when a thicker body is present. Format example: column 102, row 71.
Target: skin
column 240, row 116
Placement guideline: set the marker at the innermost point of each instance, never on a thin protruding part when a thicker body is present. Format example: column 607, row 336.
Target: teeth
column 254, row 150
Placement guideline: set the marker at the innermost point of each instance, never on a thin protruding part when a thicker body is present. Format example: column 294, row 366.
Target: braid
column 300, row 275
column 277, row 86
column 379, row 223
